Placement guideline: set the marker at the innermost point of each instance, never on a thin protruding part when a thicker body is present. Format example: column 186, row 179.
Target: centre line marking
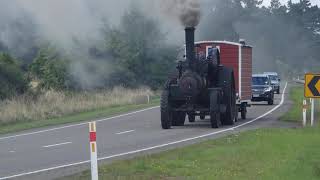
column 54, row 145
column 125, row 132
column 79, row 124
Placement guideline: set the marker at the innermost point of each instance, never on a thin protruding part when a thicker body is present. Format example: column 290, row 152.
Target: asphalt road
column 46, row 153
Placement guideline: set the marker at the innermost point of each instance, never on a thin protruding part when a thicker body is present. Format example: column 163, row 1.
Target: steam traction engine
column 204, row 86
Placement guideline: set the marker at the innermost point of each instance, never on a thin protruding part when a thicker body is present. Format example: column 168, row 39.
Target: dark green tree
column 276, row 8
column 274, row 4
column 138, row 48
column 12, row 78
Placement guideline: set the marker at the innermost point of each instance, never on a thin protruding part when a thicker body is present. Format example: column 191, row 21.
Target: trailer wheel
column 215, row 109
column 178, row 118
column 243, row 111
column 270, row 100
column 236, row 117
column 226, row 77
column 191, row 118
column 166, row 114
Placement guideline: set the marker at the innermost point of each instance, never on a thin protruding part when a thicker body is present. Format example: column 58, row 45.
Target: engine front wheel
column 191, row 118
column 178, row 118
column 215, row 109
column 166, row 114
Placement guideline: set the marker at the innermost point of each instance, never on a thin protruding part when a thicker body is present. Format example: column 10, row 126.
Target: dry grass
column 53, row 104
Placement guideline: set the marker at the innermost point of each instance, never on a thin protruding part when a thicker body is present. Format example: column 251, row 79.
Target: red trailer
column 239, row 57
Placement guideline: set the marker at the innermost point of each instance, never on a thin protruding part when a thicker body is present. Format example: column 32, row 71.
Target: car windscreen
column 260, row 81
column 273, row 78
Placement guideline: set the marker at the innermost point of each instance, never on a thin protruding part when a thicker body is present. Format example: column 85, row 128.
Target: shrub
column 50, row 69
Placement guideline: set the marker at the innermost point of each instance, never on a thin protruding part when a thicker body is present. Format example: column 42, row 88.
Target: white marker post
column 312, row 111
column 93, row 150
column 304, row 114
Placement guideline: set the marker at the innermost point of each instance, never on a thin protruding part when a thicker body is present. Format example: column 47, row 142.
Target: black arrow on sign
column 312, row 85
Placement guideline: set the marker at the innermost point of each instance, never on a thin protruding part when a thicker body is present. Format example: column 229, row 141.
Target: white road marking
column 75, row 125
column 125, row 132
column 12, row 151
column 54, row 145
column 153, row 147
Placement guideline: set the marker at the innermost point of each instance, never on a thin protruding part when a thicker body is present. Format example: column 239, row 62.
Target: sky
column 314, row 2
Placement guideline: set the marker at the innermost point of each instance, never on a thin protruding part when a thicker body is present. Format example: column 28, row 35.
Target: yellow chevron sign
column 312, row 86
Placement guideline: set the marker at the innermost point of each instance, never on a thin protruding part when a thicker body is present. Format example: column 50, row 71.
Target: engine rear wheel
column 166, row 114
column 229, row 96
column 215, row 109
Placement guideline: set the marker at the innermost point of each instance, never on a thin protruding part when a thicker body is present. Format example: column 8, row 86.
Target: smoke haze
column 71, row 26
column 187, row 11
column 75, row 25
column 65, row 22
column 279, row 43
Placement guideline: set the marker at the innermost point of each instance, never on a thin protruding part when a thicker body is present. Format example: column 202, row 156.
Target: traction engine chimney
column 190, row 51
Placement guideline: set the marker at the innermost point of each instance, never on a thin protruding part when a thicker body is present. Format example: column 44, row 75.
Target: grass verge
column 77, row 117
column 260, row 154
column 294, row 114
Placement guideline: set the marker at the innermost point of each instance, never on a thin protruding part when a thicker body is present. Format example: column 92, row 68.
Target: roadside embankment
column 54, row 107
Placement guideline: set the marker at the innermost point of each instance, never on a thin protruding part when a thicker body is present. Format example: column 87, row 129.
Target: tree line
column 286, row 37
column 136, row 50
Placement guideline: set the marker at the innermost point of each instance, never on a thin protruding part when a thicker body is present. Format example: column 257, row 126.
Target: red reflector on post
column 93, row 136
column 93, row 151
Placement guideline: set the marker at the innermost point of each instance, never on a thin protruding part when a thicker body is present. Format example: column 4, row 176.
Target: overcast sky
column 314, row 2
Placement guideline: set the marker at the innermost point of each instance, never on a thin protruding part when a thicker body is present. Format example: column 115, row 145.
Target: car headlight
column 267, row 89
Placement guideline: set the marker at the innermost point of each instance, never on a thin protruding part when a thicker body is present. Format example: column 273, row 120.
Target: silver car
column 275, row 81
